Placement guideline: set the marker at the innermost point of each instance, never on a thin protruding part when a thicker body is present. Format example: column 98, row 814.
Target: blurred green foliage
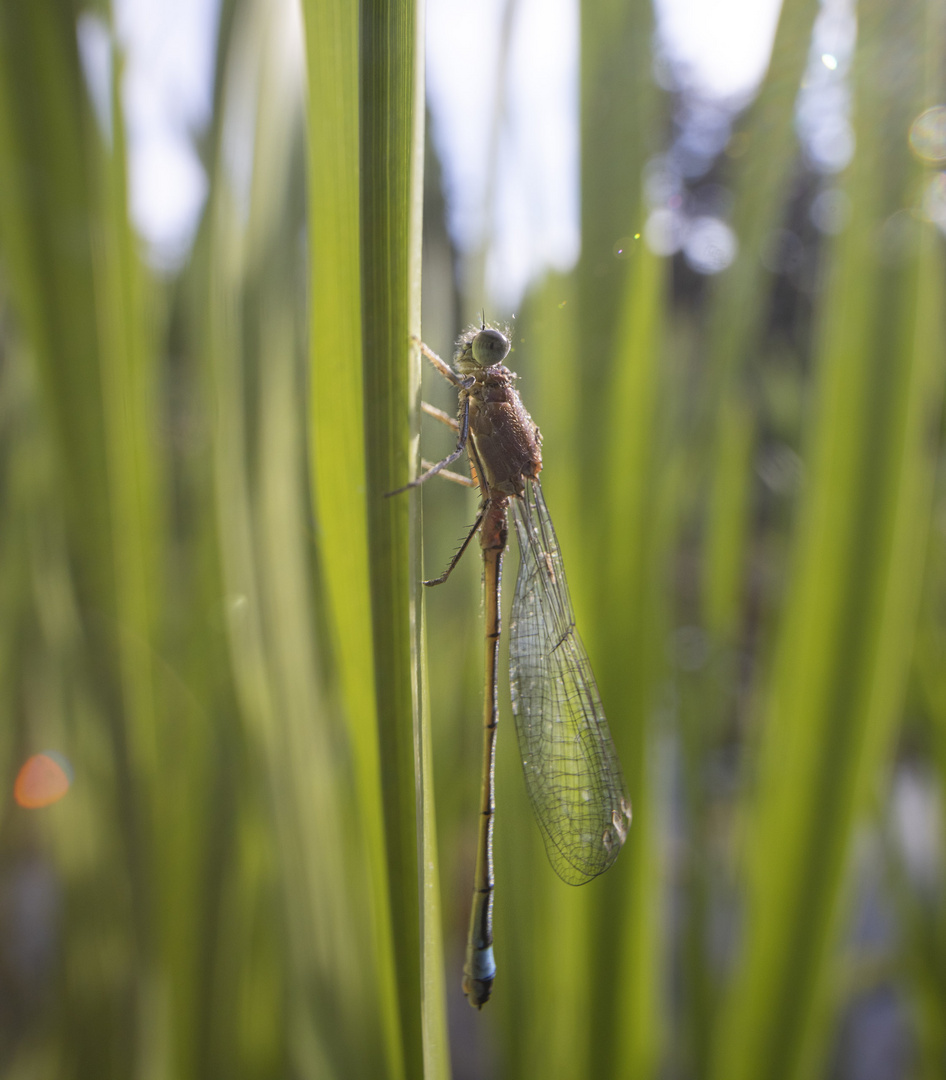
column 211, row 609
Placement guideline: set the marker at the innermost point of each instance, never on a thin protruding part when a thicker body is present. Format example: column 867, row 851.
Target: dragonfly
column 571, row 768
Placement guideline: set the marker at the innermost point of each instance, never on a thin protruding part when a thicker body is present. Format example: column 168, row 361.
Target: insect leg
column 464, row 429
column 466, row 543
column 453, row 477
column 439, row 414
column 445, row 369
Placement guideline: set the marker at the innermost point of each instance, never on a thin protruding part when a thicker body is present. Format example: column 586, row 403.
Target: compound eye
column 490, row 347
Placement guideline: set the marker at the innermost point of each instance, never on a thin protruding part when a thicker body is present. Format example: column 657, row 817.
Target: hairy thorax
column 505, row 441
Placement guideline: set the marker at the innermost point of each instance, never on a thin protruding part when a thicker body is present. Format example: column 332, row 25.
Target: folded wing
column 570, row 765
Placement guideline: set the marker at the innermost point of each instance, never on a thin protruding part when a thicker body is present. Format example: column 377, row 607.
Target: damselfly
column 571, row 768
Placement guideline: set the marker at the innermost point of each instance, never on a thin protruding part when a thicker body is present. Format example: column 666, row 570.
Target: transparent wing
column 571, row 768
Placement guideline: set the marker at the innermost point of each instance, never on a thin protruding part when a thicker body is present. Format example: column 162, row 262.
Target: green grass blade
column 845, row 638
column 391, row 163
column 75, row 281
column 387, row 130
column 44, row 202
column 762, row 175
column 339, row 469
column 433, row 1004
column 615, row 376
column 642, row 526
column 363, row 139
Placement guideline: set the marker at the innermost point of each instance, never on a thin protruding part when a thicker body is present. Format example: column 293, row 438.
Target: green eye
column 490, row 347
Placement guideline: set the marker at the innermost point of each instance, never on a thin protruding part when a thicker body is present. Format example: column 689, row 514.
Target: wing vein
column 571, row 768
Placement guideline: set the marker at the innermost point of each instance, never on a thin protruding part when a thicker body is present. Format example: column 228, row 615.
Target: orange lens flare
column 43, row 779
